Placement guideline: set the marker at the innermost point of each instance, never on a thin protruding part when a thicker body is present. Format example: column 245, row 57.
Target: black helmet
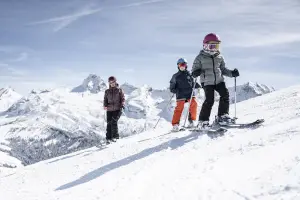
column 112, row 78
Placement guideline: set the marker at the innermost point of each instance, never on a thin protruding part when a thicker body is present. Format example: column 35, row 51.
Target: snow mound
column 92, row 83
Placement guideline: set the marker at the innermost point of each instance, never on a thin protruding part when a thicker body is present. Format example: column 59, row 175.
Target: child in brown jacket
column 114, row 101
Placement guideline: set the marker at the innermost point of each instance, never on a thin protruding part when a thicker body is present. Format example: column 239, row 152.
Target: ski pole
column 190, row 102
column 164, row 109
column 235, row 97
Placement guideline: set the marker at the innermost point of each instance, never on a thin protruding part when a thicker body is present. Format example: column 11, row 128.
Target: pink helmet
column 211, row 37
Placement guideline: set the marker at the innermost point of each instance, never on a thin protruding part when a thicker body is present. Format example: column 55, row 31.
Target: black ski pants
column 209, row 100
column 112, row 124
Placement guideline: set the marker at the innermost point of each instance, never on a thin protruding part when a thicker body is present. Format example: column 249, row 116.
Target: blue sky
column 58, row 43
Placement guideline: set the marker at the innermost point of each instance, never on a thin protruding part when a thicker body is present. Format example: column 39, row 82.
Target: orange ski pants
column 179, row 108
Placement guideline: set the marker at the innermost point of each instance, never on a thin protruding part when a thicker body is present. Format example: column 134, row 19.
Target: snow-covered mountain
column 127, row 88
column 261, row 163
column 92, row 83
column 51, row 123
column 7, row 98
column 249, row 90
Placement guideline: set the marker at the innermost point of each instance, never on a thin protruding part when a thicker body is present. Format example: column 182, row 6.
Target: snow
column 92, row 83
column 249, row 90
column 261, row 163
column 7, row 98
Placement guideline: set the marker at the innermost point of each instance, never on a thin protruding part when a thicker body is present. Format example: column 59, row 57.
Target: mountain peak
column 249, row 90
column 8, row 97
column 128, row 88
column 92, row 83
column 257, row 88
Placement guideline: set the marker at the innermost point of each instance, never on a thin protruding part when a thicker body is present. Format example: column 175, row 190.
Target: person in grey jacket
column 210, row 66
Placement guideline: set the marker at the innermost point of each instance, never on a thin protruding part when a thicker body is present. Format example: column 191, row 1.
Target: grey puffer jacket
column 210, row 68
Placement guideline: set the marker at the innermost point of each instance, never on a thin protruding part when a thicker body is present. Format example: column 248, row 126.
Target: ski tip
column 260, row 120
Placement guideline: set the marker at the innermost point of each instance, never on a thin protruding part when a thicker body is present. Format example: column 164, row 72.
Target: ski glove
column 196, row 73
column 235, row 73
column 173, row 91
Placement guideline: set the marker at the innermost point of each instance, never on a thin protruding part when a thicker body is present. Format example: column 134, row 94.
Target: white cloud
column 141, row 3
column 64, row 21
column 257, row 39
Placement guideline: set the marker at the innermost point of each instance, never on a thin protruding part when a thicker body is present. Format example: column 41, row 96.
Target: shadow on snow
column 171, row 144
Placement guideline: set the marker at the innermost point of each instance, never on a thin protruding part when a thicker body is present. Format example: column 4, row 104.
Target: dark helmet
column 112, row 78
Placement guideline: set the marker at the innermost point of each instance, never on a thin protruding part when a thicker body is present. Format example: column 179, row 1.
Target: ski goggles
column 111, row 82
column 212, row 46
column 182, row 64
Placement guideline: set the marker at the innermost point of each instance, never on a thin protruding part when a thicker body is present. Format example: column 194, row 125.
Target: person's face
column 182, row 66
column 112, row 83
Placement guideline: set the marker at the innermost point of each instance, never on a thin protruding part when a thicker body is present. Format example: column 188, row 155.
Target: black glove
column 173, row 91
column 235, row 73
column 196, row 73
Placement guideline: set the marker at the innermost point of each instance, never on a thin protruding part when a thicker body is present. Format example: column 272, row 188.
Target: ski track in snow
column 261, row 163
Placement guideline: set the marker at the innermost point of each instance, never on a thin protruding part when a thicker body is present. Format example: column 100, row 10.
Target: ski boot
column 176, row 128
column 191, row 124
column 224, row 120
column 203, row 125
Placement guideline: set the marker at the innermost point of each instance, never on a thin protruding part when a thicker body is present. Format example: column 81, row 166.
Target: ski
column 219, row 130
column 243, row 125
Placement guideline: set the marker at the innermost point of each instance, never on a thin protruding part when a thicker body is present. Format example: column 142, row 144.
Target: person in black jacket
column 182, row 84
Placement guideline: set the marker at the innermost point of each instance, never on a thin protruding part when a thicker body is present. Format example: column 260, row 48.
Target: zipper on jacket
column 112, row 94
column 214, row 69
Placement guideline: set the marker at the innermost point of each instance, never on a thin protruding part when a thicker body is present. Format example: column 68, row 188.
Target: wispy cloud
column 3, row 65
column 64, row 21
column 22, row 57
column 7, row 70
column 141, row 3
column 270, row 39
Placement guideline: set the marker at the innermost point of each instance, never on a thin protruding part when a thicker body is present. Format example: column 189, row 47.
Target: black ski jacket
column 182, row 84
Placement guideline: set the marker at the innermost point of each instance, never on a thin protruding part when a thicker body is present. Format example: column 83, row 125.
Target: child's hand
column 235, row 73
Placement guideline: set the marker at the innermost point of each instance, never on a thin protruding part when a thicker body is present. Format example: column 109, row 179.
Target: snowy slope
column 262, row 163
column 50, row 123
column 8, row 97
